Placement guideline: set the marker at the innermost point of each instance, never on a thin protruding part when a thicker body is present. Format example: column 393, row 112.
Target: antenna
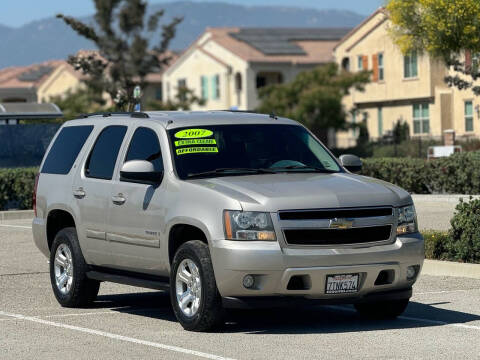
column 273, row 116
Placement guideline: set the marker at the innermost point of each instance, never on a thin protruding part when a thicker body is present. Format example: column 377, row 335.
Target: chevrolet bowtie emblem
column 341, row 223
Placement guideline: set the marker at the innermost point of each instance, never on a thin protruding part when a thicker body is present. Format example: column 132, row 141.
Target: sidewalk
column 434, row 212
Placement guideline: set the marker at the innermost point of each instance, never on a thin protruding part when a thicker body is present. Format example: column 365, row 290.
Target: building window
column 381, row 72
column 159, row 93
column 216, row 87
column 346, row 64
column 204, row 87
column 360, row 62
column 380, row 122
column 410, row 65
column 468, row 116
column 181, row 87
column 354, row 122
column 421, row 119
column 268, row 78
column 238, row 82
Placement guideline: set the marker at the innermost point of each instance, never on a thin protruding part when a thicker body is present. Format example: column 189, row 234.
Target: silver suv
column 224, row 209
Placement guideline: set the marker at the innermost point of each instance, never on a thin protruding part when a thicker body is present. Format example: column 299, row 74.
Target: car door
column 137, row 211
column 92, row 192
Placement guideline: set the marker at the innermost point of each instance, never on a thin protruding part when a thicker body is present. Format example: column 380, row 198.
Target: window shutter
column 214, row 87
column 468, row 60
column 365, row 62
column 375, row 67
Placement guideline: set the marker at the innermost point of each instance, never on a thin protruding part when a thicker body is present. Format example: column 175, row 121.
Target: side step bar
column 128, row 280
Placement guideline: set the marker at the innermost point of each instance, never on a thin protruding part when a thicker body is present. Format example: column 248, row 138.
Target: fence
column 24, row 145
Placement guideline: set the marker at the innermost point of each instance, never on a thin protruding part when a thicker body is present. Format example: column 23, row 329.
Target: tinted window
column 145, row 146
column 276, row 148
column 65, row 149
column 101, row 161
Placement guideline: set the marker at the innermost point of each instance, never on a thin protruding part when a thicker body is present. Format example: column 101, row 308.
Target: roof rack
column 272, row 115
column 140, row 115
column 243, row 111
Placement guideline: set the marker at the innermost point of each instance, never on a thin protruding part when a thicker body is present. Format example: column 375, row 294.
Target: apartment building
column 227, row 66
column 408, row 88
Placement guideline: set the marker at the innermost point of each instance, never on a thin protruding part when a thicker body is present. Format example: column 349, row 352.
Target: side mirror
column 140, row 171
column 351, row 162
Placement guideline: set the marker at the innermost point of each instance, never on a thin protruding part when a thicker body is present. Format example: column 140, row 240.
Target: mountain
column 51, row 39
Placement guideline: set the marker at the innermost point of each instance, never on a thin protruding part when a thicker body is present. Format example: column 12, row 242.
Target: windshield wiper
column 231, row 171
column 304, row 167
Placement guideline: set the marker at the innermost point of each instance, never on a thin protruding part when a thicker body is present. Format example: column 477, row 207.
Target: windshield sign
column 212, row 151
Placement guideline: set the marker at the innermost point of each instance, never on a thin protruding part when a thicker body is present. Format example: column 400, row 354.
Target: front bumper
column 273, row 266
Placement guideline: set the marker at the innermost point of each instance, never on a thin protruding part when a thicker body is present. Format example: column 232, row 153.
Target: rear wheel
column 68, row 270
column 194, row 295
column 382, row 310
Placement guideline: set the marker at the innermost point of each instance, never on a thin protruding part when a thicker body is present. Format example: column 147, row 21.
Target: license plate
column 341, row 284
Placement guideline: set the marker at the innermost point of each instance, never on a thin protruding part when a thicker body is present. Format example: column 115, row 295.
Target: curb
column 16, row 215
column 442, row 198
column 449, row 268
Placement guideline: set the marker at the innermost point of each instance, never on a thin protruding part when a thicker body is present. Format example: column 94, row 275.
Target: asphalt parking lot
column 442, row 321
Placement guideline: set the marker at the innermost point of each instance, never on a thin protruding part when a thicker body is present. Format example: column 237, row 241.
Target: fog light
column 412, row 272
column 248, row 281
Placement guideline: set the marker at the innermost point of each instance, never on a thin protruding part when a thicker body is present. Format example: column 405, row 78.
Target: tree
column 184, row 99
column 125, row 54
column 75, row 103
column 314, row 97
column 447, row 30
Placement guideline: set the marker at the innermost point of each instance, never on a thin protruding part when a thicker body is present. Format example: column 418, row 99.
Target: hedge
column 457, row 174
column 16, row 188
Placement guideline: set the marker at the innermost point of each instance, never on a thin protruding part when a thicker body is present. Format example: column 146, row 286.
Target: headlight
column 248, row 225
column 407, row 220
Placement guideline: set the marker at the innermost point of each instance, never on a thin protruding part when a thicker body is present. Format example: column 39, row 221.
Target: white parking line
column 409, row 318
column 16, row 226
column 111, row 312
column 82, row 314
column 115, row 336
column 444, row 291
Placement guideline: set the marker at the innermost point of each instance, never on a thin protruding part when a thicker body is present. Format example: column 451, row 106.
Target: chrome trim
column 393, row 213
column 391, row 239
column 324, row 224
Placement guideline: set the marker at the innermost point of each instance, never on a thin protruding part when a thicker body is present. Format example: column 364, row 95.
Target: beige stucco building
column 38, row 83
column 227, row 66
column 404, row 88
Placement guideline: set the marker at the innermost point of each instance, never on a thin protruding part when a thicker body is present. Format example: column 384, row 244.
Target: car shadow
column 291, row 320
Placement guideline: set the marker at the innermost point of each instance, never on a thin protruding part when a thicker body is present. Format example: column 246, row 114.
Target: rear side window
column 65, row 149
column 101, row 162
column 145, row 146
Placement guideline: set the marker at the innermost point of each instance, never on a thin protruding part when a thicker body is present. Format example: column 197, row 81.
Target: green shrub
column 436, row 243
column 411, row 174
column 16, row 188
column 464, row 234
column 457, row 174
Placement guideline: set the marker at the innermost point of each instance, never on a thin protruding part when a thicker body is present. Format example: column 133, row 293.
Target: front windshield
column 209, row 151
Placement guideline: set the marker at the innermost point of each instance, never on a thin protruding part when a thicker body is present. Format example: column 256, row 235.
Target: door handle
column 119, row 199
column 79, row 193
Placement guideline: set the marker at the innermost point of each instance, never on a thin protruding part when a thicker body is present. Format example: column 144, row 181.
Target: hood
column 274, row 192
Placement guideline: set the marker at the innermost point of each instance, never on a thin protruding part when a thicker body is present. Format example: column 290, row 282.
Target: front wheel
column 382, row 310
column 68, row 270
column 193, row 290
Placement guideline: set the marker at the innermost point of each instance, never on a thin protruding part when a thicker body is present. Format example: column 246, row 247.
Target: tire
column 203, row 309
column 382, row 310
column 73, row 289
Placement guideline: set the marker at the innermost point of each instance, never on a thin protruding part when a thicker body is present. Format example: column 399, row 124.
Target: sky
column 15, row 13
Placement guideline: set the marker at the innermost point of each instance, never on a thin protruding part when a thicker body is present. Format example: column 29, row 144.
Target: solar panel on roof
column 281, row 41
column 35, row 74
